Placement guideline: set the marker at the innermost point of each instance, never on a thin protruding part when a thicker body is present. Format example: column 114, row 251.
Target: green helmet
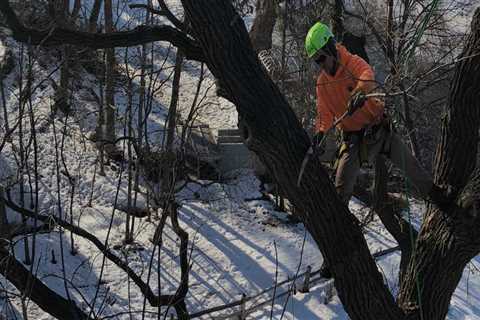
column 317, row 38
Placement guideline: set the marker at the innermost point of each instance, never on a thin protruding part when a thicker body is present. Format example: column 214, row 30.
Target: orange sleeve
column 363, row 74
column 324, row 119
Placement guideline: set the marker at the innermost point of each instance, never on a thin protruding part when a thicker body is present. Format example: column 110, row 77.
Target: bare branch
column 144, row 288
column 139, row 35
column 165, row 11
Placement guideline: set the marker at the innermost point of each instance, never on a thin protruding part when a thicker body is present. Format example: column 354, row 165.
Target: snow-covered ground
column 239, row 243
column 233, row 236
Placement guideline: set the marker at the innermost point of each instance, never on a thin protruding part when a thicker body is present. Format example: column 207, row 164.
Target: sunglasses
column 320, row 58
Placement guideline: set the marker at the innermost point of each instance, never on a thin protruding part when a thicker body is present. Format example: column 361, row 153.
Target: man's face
column 325, row 61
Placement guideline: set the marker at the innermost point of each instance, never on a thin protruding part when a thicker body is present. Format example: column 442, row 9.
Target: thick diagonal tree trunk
column 47, row 299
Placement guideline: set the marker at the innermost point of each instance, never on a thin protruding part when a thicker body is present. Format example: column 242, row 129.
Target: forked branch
column 140, row 35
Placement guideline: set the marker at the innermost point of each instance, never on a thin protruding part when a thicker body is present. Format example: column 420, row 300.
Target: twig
column 144, row 288
column 276, row 279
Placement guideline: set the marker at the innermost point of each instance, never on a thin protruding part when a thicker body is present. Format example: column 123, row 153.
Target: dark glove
column 317, row 144
column 357, row 100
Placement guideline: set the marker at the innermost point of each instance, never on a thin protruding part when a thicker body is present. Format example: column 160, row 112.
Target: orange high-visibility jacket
column 333, row 93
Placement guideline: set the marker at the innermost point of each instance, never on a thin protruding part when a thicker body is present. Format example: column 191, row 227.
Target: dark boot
column 325, row 271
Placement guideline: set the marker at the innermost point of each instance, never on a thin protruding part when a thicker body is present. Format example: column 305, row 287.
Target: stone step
column 229, row 139
column 234, row 156
column 228, row 132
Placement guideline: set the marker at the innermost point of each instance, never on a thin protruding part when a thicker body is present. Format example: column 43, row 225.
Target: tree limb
column 140, row 35
column 388, row 210
column 397, row 226
column 47, row 299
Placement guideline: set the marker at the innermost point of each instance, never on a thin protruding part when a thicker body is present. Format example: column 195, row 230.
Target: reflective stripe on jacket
column 333, row 93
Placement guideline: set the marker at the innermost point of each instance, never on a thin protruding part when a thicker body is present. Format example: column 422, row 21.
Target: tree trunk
column 450, row 238
column 390, row 53
column 338, row 28
column 170, row 165
column 62, row 92
column 172, row 110
column 77, row 6
column 391, row 218
column 92, row 21
column 109, row 106
column 263, row 24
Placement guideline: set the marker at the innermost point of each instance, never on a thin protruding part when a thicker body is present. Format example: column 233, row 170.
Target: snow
column 238, row 240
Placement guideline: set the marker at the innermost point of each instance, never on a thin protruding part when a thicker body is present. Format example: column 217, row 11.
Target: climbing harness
column 311, row 151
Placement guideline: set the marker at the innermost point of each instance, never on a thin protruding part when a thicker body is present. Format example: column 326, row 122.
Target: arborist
column 342, row 87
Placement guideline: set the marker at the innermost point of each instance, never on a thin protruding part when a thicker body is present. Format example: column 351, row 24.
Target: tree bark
column 92, row 21
column 449, row 238
column 109, row 107
column 338, row 27
column 403, row 232
column 263, row 24
column 77, row 6
column 170, row 166
column 62, row 19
